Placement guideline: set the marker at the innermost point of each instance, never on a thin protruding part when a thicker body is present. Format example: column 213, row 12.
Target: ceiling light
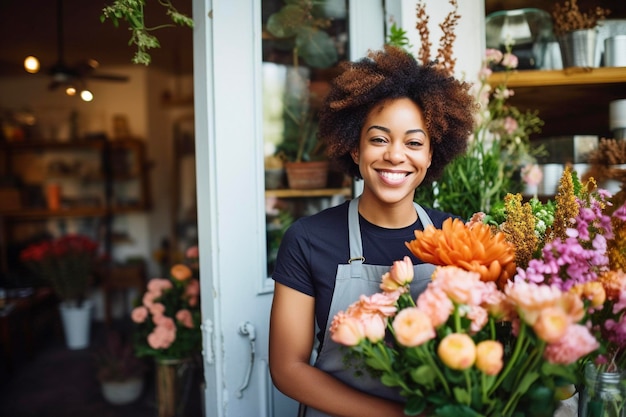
column 70, row 91
column 86, row 95
column 31, row 64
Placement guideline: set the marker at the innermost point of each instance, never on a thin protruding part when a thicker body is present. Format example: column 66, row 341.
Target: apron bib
column 352, row 280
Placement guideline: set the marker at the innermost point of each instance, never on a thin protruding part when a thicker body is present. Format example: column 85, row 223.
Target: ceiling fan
column 72, row 78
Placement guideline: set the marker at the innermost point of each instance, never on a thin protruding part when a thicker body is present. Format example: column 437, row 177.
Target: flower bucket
column 76, row 323
column 578, row 48
column 173, row 383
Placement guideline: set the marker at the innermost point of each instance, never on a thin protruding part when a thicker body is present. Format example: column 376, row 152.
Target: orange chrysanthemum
column 474, row 248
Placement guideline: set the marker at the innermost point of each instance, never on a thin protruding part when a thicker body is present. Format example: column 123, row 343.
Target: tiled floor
column 57, row 382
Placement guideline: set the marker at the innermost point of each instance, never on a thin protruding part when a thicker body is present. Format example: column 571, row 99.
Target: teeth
column 393, row 176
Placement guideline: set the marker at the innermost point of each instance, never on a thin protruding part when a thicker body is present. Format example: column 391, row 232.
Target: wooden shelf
column 568, row 76
column 573, row 101
column 42, row 214
column 325, row 192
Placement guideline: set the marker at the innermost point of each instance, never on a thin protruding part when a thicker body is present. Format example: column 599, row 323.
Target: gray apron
column 352, row 280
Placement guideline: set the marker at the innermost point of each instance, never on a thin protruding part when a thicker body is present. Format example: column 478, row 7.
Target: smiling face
column 394, row 152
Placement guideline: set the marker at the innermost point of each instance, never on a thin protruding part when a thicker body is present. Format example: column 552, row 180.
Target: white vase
column 76, row 323
column 124, row 392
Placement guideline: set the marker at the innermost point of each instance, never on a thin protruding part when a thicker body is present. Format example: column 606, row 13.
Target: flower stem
column 512, row 363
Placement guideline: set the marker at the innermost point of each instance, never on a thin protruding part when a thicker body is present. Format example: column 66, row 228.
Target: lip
column 393, row 177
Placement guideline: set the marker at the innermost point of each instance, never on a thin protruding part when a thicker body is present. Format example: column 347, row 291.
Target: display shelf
column 573, row 101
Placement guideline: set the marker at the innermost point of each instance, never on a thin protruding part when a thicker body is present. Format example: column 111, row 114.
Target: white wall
column 470, row 34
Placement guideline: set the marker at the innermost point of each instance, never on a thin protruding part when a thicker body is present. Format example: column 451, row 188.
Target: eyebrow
column 384, row 129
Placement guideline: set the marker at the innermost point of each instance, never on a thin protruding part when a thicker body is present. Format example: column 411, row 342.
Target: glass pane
column 303, row 43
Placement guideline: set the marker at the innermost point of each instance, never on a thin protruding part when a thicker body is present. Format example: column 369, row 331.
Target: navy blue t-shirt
column 314, row 246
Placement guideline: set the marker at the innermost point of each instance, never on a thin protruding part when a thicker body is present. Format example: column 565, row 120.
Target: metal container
column 578, row 48
column 615, row 51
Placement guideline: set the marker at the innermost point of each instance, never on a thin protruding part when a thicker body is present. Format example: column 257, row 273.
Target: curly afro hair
column 389, row 74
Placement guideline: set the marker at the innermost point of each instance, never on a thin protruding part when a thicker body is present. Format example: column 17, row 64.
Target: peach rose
column 551, row 324
column 489, row 354
column 193, row 287
column 181, row 272
column 436, row 304
column 158, row 285
column 139, row 314
column 162, row 337
column 399, row 275
column 463, row 287
column 531, row 299
column 347, row 330
column 157, row 309
column 413, row 327
column 374, row 327
column 184, row 316
column 457, row 351
column 164, row 321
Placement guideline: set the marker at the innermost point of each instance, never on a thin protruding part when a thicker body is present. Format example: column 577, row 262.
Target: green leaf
column 424, row 375
column 287, row 21
column 316, row 47
column 415, row 406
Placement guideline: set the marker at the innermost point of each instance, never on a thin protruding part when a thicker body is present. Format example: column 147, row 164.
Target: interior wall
column 140, row 101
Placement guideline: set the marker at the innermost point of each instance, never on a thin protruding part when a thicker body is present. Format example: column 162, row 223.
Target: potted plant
column 576, row 32
column 120, row 372
column 299, row 27
column 67, row 264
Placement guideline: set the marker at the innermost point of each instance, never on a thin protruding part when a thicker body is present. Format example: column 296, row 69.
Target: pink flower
column 347, row 330
column 184, row 316
column 479, row 318
column 164, row 321
column 157, row 310
column 510, row 125
column 530, row 298
column 532, row 174
column 193, row 288
column 551, row 324
column 509, row 61
column 192, row 252
column 374, row 327
column 158, row 285
column 489, row 354
column 463, row 287
column 493, row 55
column 378, row 303
column 149, row 297
column 575, row 343
column 399, row 275
column 139, row 314
column 162, row 337
column 413, row 327
column 436, row 304
column 457, row 351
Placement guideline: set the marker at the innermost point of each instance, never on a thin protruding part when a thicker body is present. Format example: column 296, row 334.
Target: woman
column 392, row 123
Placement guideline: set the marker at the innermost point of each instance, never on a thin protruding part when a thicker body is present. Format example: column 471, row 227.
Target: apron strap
column 354, row 231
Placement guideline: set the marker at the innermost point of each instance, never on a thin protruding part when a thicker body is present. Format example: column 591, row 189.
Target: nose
column 394, row 153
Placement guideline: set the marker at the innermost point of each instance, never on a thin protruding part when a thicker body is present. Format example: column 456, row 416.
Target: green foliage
column 398, row 37
column 132, row 12
column 301, row 22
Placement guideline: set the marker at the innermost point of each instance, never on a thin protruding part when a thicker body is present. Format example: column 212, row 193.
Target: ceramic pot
column 122, row 392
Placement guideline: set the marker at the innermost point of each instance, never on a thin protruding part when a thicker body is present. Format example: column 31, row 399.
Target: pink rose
column 184, row 316
column 139, row 314
column 399, row 275
column 192, row 252
column 157, row 310
column 347, row 330
column 162, row 337
column 436, row 304
column 509, row 60
column 463, row 287
column 457, row 351
column 489, row 355
column 193, row 287
column 575, row 343
column 551, row 324
column 158, row 285
column 413, row 327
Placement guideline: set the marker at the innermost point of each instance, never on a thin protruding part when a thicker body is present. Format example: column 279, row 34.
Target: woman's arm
column 291, row 340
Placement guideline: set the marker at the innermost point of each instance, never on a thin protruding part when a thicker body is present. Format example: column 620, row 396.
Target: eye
column 378, row 139
column 415, row 143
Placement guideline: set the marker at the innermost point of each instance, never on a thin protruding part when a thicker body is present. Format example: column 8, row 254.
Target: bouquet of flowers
column 512, row 311
column 168, row 320
column 66, row 263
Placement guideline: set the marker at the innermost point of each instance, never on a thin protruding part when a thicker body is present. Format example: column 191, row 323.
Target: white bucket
column 76, row 324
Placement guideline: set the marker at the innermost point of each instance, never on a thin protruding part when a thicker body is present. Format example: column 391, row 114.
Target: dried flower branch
column 605, row 158
column 567, row 17
column 444, row 57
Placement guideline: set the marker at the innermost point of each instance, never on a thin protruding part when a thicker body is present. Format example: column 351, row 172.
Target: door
column 236, row 292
